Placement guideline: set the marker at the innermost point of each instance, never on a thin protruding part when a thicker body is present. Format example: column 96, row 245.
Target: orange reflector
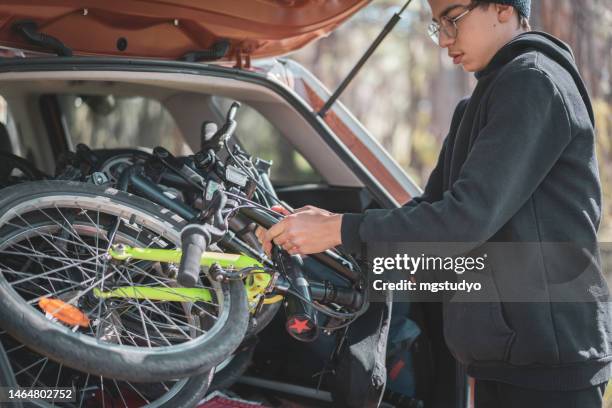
column 64, row 312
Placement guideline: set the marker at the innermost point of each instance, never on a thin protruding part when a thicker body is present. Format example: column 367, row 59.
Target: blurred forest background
column 406, row 93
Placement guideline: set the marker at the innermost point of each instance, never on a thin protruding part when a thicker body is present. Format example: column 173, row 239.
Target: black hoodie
column 518, row 165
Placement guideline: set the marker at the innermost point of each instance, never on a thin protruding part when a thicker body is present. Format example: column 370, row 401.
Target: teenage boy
column 518, row 165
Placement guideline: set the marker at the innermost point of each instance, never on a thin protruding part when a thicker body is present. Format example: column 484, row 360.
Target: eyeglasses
column 447, row 25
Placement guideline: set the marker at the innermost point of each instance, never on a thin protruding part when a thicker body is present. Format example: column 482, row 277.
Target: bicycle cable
column 263, row 189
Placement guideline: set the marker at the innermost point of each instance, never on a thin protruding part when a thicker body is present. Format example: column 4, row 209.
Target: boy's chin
column 467, row 67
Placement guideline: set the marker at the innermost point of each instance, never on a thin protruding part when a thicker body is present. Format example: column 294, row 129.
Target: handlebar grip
column 209, row 129
column 231, row 115
column 194, row 241
column 264, row 219
column 326, row 293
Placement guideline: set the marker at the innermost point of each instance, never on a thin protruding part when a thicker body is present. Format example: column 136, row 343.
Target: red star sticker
column 299, row 326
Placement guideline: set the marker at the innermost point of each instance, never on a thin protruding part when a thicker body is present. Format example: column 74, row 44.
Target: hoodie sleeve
column 433, row 189
column 527, row 130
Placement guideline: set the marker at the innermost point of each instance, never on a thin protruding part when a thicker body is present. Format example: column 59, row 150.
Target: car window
column 108, row 121
column 262, row 139
column 9, row 138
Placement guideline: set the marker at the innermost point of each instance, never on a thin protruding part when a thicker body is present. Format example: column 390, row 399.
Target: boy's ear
column 505, row 13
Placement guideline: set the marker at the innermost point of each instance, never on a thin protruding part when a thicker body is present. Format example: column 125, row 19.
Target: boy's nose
column 445, row 41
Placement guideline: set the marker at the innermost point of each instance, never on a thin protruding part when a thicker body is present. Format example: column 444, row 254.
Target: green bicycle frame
column 255, row 287
column 232, row 261
column 156, row 293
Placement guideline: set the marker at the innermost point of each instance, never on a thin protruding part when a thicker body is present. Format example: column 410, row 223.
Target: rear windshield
column 107, row 121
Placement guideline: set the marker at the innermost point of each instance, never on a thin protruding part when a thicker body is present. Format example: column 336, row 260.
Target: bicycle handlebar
column 225, row 133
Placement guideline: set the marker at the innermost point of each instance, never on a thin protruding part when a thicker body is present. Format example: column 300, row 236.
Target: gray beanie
column 522, row 6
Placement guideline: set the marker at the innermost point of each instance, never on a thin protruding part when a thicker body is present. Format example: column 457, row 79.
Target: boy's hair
column 523, row 21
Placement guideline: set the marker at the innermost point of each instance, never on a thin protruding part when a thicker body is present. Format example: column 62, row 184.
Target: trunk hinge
column 240, row 62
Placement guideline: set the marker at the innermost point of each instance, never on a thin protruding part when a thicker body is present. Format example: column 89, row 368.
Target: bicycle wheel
column 34, row 370
column 232, row 369
column 54, row 236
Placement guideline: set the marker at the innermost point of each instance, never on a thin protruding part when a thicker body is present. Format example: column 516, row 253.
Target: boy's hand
column 308, row 230
column 261, row 232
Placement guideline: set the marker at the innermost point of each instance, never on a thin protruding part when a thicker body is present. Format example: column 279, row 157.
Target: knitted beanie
column 522, row 6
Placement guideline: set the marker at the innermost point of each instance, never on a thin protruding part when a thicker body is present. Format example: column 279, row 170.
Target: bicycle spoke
column 120, row 393
column 33, row 253
column 40, row 372
column 12, row 272
column 146, row 400
column 23, row 370
column 157, row 325
column 146, row 332
column 22, row 290
column 102, row 391
column 71, row 231
column 61, row 292
column 37, row 255
column 42, row 235
column 187, row 300
column 27, row 373
column 59, row 373
column 15, row 348
column 52, row 271
column 83, row 391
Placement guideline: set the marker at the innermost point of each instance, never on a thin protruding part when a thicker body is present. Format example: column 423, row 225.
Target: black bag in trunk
column 360, row 370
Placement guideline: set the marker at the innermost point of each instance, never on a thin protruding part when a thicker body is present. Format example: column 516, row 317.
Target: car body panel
column 172, row 28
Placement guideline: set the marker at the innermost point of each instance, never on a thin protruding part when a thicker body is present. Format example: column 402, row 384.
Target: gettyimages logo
column 422, row 263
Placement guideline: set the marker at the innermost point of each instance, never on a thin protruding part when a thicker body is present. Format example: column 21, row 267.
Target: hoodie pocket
column 474, row 325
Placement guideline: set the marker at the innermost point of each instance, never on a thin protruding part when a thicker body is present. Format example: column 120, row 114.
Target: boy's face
column 479, row 35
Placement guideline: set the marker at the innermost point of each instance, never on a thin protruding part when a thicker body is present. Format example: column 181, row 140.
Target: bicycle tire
column 234, row 369
column 36, row 371
column 84, row 353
